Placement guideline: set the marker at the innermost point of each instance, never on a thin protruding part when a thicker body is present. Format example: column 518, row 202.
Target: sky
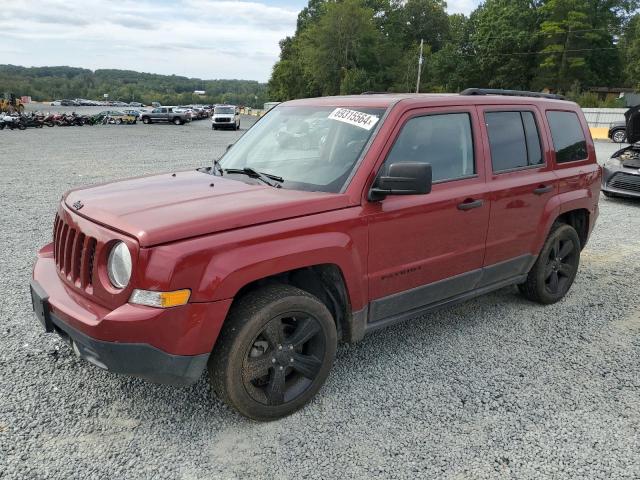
column 194, row 38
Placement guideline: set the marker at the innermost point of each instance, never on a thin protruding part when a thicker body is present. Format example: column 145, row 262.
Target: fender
column 556, row 206
column 228, row 272
column 215, row 267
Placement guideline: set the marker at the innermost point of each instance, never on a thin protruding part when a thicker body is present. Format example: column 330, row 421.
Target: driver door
column 424, row 249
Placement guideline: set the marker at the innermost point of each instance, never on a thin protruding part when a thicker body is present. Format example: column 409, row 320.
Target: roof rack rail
column 510, row 93
column 374, row 93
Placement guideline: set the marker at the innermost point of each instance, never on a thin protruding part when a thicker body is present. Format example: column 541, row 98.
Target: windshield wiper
column 250, row 172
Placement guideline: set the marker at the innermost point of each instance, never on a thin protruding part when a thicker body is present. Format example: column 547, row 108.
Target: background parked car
column 225, row 116
column 621, row 173
column 618, row 132
column 115, row 116
column 166, row 114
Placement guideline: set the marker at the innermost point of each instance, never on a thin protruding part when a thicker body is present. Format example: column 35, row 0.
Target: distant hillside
column 49, row 83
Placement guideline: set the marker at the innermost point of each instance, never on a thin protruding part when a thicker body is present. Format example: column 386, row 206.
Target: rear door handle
column 543, row 189
column 469, row 204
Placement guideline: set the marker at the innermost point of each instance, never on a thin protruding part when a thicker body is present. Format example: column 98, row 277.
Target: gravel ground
column 494, row 388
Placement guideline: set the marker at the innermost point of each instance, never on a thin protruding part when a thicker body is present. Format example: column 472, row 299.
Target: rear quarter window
column 568, row 138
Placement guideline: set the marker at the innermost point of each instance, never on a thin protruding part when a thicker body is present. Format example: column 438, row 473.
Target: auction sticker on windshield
column 353, row 117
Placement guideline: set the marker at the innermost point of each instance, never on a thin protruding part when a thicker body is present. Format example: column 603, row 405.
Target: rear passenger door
column 521, row 182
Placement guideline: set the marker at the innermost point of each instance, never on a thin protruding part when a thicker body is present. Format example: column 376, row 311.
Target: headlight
column 119, row 265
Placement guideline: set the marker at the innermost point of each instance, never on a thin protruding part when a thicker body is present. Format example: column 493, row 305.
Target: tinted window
column 513, row 139
column 534, row 151
column 568, row 137
column 444, row 141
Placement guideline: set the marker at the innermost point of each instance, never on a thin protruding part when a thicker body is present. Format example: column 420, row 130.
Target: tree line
column 50, row 83
column 564, row 46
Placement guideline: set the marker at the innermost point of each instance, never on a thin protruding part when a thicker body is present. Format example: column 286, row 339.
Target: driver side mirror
column 408, row 178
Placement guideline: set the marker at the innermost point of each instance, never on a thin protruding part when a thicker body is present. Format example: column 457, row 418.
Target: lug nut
column 291, row 360
column 290, row 347
column 279, row 347
column 281, row 367
column 273, row 360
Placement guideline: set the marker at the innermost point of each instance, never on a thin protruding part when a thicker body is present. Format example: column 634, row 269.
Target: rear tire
column 552, row 275
column 275, row 352
column 177, row 121
column 619, row 136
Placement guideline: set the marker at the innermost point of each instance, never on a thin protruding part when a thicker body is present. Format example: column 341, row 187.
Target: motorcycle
column 11, row 122
column 32, row 120
column 50, row 119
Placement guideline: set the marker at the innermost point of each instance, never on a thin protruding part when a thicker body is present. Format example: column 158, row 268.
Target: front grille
column 74, row 253
column 625, row 181
column 222, row 120
column 632, row 162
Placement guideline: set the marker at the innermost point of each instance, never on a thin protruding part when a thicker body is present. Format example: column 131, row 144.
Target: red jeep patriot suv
column 330, row 218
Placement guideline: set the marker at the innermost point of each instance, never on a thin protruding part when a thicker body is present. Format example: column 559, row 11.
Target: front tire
column 177, row 121
column 146, row 120
column 552, row 275
column 275, row 352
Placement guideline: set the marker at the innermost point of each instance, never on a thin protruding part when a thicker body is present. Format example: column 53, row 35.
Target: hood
column 164, row 208
column 633, row 124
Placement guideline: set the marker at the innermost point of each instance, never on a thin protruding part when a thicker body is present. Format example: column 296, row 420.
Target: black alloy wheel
column 274, row 352
column 561, row 265
column 284, row 358
column 556, row 267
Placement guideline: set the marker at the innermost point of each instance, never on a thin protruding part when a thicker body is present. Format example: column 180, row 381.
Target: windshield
column 224, row 110
column 311, row 148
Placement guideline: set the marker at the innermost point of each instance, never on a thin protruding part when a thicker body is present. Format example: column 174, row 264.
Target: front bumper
column 621, row 181
column 161, row 345
column 222, row 122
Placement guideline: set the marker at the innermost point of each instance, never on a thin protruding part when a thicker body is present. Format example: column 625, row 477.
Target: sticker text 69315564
column 353, row 117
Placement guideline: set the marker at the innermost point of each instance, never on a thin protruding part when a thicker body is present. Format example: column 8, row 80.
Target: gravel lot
column 494, row 388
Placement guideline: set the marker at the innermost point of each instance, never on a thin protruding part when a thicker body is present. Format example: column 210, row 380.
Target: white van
column 225, row 116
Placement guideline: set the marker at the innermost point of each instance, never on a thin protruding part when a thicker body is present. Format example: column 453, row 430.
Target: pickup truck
column 329, row 219
column 166, row 114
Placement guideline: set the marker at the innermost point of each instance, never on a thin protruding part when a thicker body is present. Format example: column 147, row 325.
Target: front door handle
column 543, row 189
column 469, row 204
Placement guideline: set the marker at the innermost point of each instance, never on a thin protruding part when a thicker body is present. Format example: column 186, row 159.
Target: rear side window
column 443, row 140
column 513, row 139
column 568, row 137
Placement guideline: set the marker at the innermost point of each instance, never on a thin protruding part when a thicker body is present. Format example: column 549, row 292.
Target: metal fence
column 603, row 117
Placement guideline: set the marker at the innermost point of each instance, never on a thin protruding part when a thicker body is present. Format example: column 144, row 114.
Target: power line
column 542, row 52
column 549, row 34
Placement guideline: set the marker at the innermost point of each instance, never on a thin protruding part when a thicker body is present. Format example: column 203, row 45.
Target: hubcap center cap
column 283, row 357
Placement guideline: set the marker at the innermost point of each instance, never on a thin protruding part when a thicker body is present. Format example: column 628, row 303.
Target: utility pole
column 420, row 60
